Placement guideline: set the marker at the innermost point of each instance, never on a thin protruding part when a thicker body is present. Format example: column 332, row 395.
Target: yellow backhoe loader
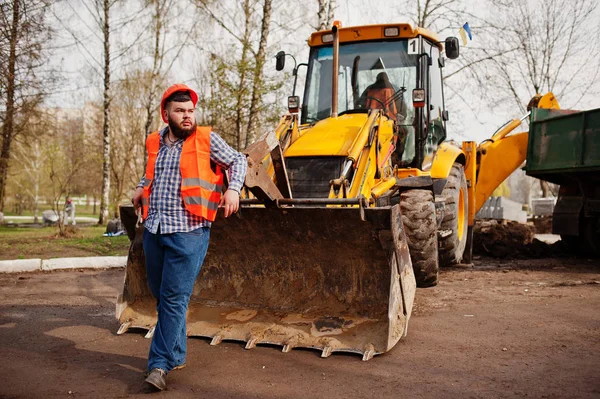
column 353, row 201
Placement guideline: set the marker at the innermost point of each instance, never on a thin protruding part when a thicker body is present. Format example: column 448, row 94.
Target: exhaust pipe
column 334, row 67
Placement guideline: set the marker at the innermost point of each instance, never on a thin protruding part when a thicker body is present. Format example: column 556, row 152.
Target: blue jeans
column 173, row 262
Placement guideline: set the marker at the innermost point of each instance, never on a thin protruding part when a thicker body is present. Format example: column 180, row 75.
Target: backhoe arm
column 501, row 155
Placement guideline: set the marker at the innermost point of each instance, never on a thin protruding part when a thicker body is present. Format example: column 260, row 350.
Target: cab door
column 434, row 113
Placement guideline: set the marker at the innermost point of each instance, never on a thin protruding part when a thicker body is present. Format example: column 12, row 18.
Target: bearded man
column 179, row 195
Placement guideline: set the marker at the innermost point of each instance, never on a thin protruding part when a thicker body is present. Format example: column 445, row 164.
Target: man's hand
column 230, row 201
column 137, row 197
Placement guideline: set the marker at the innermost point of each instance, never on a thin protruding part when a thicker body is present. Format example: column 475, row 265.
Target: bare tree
column 166, row 50
column 235, row 100
column 24, row 36
column 539, row 46
column 127, row 145
column 257, row 84
column 325, row 14
column 436, row 14
column 102, row 31
column 30, row 159
column 90, row 176
column 104, row 196
column 331, row 12
column 63, row 162
column 159, row 9
column 244, row 72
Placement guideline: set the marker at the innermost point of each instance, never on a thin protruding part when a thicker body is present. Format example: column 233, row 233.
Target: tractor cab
column 391, row 67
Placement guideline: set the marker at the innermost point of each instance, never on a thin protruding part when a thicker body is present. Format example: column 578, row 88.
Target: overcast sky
column 82, row 73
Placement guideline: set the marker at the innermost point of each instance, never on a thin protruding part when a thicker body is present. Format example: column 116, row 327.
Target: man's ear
column 165, row 114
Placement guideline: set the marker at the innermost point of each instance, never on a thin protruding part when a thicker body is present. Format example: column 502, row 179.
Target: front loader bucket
column 317, row 278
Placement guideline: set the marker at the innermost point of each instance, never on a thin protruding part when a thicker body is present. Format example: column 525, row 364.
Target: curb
column 32, row 265
column 20, row 265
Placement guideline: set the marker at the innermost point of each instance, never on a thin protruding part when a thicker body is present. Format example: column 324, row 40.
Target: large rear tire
column 452, row 239
column 590, row 235
column 573, row 243
column 420, row 227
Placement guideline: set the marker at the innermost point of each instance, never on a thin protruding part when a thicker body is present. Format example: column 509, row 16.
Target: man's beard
column 180, row 132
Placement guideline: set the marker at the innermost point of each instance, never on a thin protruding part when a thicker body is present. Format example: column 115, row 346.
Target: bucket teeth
column 251, row 343
column 369, row 353
column 216, row 340
column 287, row 348
column 124, row 327
column 120, row 306
column 150, row 332
column 327, row 351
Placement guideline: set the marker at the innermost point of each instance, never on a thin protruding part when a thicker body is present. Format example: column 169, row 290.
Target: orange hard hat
column 174, row 89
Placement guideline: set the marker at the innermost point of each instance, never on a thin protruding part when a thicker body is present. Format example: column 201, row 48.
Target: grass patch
column 45, row 243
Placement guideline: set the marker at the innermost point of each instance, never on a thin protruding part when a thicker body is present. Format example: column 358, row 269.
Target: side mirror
column 280, row 60
column 451, row 46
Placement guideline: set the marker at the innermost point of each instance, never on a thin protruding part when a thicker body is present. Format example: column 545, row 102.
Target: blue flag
column 464, row 31
column 468, row 30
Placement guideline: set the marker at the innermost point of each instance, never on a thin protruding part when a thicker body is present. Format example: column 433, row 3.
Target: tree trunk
column 61, row 217
column 104, row 200
column 331, row 13
column 322, row 15
column 240, row 97
column 156, row 63
column 257, row 85
column 7, row 128
column 36, row 183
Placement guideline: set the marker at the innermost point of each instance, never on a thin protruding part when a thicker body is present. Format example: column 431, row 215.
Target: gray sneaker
column 158, row 379
column 181, row 366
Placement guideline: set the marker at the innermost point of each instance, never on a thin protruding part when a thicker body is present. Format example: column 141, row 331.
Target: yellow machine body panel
column 498, row 160
column 328, row 137
column 402, row 173
column 470, row 152
column 446, row 155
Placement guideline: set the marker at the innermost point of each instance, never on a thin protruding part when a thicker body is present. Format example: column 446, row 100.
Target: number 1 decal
column 413, row 46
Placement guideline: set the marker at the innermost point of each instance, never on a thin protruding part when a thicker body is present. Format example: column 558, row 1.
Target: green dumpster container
column 564, row 148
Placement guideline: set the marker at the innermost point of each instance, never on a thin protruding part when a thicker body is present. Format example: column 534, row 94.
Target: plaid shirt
column 166, row 205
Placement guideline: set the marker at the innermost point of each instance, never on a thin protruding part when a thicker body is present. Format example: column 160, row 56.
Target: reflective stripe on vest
column 194, row 181
column 200, row 187
column 201, row 201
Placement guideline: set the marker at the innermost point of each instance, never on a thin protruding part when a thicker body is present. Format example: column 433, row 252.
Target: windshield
column 369, row 74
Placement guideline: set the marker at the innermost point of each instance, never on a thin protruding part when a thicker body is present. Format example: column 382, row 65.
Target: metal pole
column 335, row 67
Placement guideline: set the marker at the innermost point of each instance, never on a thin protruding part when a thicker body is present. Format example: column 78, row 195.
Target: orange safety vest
column 383, row 94
column 201, row 188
